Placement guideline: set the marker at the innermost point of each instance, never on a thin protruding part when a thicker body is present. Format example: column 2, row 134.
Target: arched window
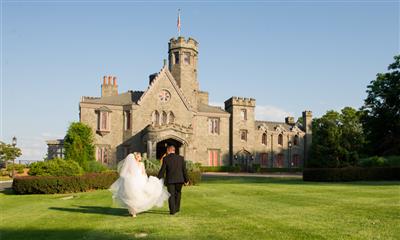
column 280, row 139
column 296, row 140
column 171, row 117
column 155, row 118
column 264, row 139
column 164, row 118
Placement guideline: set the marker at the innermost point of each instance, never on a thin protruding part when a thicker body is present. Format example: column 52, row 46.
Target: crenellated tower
column 182, row 55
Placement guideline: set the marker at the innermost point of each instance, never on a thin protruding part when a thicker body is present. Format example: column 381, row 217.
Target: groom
column 175, row 168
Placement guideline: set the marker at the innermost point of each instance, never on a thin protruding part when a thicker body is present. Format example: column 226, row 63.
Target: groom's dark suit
column 175, row 169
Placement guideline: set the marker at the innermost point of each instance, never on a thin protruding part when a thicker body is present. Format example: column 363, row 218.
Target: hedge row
column 220, row 169
column 351, row 174
column 256, row 168
column 63, row 184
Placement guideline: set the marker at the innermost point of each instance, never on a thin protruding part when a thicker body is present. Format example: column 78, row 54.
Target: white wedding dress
column 134, row 190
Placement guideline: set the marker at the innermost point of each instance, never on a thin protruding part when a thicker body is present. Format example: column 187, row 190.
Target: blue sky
column 288, row 55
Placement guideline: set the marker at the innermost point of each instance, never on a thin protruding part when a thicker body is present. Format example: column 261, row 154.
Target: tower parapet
column 181, row 42
column 240, row 101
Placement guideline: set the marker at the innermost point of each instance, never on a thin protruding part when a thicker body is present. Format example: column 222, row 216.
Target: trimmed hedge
column 220, row 169
column 63, row 184
column 351, row 174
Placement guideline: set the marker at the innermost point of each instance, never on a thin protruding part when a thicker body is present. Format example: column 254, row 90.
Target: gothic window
column 296, row 140
column 264, row 159
column 186, row 58
column 243, row 135
column 164, row 118
column 155, row 118
column 279, row 160
column 264, row 139
column 103, row 121
column 171, row 117
column 213, row 125
column 214, row 157
column 280, row 139
column 243, row 114
column 128, row 121
column 176, row 56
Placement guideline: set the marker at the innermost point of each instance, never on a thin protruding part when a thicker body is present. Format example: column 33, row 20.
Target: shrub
column 63, row 184
column 19, row 168
column 351, row 174
column 94, row 167
column 55, row 167
column 393, row 161
column 219, row 168
column 375, row 161
column 193, row 169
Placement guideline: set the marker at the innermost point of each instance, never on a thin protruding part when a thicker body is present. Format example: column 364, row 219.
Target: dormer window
column 176, row 56
column 186, row 58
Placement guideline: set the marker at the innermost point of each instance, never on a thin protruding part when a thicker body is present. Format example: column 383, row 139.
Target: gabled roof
column 126, row 98
column 165, row 72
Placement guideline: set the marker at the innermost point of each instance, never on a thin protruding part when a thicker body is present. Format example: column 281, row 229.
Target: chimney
column 109, row 87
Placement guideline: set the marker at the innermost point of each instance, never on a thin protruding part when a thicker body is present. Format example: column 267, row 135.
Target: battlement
column 181, row 42
column 110, row 80
column 240, row 101
column 307, row 113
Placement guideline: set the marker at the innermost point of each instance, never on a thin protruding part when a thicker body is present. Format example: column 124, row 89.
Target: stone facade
column 173, row 110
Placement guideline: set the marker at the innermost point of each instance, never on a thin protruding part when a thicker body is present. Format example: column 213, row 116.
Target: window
column 171, row 117
column 164, row 118
column 186, row 58
column 127, row 120
column 296, row 140
column 155, row 118
column 264, row 139
column 214, row 157
column 295, row 160
column 279, row 160
column 103, row 121
column 280, row 139
column 176, row 56
column 213, row 125
column 243, row 114
column 243, row 135
column 264, row 159
column 103, row 154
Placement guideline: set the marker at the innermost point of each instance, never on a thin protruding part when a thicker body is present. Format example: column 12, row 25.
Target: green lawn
column 220, row 208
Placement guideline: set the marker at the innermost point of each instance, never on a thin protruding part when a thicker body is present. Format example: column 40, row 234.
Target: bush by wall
column 193, row 169
column 55, row 167
column 220, row 168
column 351, row 174
column 63, row 184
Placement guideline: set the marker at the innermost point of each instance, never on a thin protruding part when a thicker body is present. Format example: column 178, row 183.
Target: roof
column 271, row 125
column 210, row 109
column 130, row 97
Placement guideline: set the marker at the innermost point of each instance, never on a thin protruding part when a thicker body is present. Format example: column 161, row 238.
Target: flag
column 178, row 24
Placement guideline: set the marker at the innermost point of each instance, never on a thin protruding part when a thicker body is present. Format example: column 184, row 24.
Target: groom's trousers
column 174, row 200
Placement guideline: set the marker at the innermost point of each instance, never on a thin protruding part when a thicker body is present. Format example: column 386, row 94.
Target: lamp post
column 13, row 143
column 290, row 153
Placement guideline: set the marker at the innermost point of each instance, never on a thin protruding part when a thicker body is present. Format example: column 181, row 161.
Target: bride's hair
column 136, row 154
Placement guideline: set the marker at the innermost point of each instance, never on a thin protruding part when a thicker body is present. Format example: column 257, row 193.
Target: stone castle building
column 173, row 110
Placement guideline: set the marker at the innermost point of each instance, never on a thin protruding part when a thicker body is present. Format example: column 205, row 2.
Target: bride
column 134, row 190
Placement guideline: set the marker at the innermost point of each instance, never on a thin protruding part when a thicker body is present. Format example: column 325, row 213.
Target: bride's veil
column 128, row 166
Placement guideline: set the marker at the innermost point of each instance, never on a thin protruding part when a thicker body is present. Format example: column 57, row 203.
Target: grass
column 220, row 208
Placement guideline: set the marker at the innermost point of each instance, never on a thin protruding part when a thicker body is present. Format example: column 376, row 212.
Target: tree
column 337, row 139
column 381, row 112
column 8, row 152
column 78, row 144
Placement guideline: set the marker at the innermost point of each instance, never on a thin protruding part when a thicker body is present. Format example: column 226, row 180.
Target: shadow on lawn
column 67, row 234
column 104, row 210
column 292, row 181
